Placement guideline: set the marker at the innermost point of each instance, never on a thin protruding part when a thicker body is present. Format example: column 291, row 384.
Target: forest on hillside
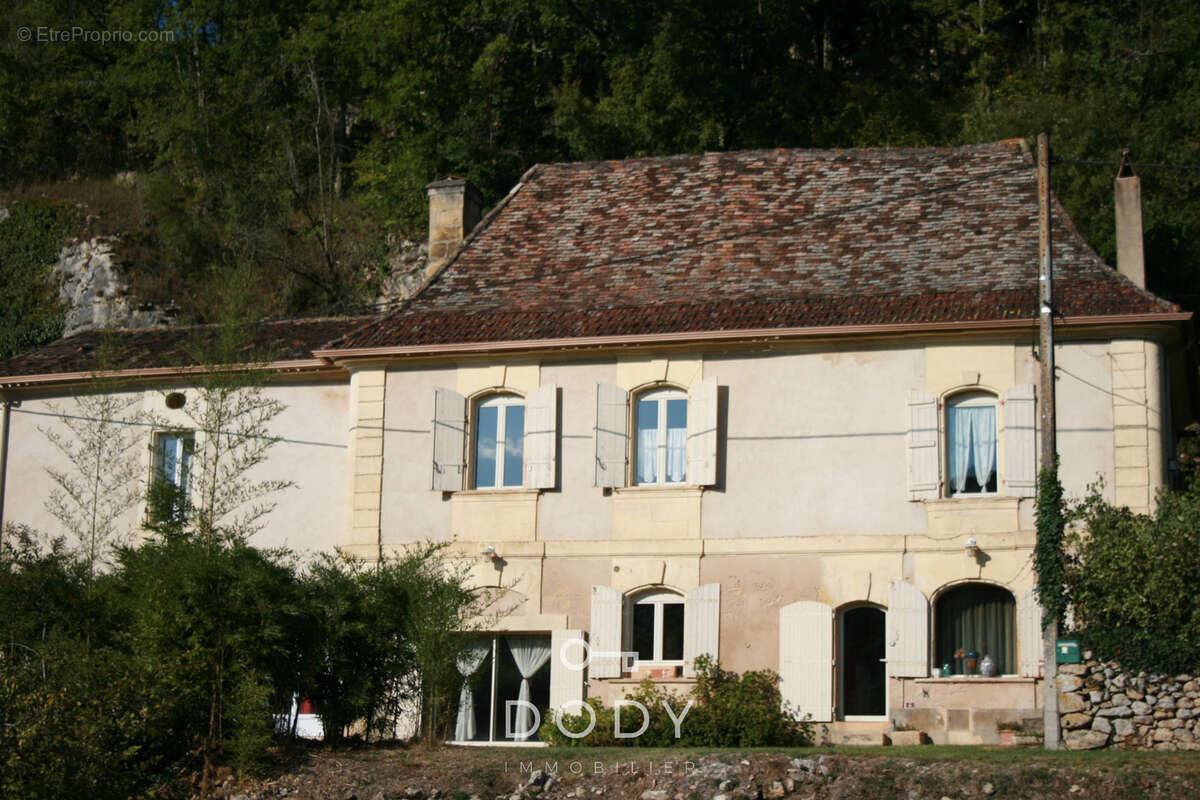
column 293, row 140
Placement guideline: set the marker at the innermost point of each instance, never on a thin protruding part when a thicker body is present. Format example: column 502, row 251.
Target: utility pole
column 1050, row 721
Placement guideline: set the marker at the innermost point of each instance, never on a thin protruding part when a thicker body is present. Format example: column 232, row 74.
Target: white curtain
column 676, row 454
column 647, row 455
column 983, row 442
column 973, row 436
column 530, row 653
column 469, row 659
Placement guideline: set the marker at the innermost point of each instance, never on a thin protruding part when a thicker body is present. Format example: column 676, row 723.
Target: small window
column 173, row 454
column 499, row 442
column 979, row 619
column 971, row 443
column 657, row 627
column 661, row 445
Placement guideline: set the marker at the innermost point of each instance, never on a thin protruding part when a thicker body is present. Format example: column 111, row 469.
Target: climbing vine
column 1048, row 552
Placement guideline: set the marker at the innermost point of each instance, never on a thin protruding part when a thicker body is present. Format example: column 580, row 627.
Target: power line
column 1089, row 162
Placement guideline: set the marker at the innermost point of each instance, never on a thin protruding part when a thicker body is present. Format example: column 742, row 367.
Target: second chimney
column 1131, row 259
column 455, row 207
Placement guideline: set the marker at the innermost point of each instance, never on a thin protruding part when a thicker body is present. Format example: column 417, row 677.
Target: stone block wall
column 1102, row 706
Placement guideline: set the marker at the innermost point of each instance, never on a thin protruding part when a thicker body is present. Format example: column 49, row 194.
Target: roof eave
column 316, row 364
column 685, row 337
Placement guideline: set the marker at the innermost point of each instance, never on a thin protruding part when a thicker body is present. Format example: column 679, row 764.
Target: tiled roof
column 764, row 239
column 173, row 347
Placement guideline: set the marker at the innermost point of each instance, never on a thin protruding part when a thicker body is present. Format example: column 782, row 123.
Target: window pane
column 971, row 441
column 643, row 631
column 647, row 441
column 514, row 443
column 978, row 618
column 485, row 447
column 676, row 440
column 672, row 637
column 167, row 447
column 187, row 450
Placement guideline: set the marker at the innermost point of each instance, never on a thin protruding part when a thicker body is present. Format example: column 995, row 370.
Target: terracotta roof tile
column 174, row 347
column 776, row 238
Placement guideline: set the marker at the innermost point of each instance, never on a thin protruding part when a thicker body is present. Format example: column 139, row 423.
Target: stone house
column 778, row 407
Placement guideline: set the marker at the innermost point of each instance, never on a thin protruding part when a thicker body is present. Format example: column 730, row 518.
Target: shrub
column 727, row 710
column 1132, row 580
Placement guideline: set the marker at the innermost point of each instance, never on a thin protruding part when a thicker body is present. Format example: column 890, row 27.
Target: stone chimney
column 455, row 207
column 1131, row 260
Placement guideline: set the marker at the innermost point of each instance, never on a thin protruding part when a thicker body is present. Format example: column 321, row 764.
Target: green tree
column 1132, row 579
column 31, row 237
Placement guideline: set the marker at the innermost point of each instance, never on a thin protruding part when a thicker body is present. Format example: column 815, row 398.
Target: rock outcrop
column 95, row 291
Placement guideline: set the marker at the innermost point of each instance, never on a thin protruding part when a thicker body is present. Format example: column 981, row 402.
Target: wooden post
column 1050, row 720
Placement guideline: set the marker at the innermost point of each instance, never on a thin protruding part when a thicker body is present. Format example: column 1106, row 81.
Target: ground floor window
column 657, row 634
column 978, row 619
column 498, row 671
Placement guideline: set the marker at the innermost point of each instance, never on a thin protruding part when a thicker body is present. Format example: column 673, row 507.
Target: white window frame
column 657, row 598
column 971, row 398
column 661, row 395
column 177, row 478
column 501, row 402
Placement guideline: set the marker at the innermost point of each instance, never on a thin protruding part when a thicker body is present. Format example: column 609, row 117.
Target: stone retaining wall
column 1102, row 706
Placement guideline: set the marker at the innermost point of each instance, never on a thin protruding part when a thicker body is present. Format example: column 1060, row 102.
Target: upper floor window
column 971, row 443
column 499, row 442
column 173, row 454
column 657, row 627
column 661, row 448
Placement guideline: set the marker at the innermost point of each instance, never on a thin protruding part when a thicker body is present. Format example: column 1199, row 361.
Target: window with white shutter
column 907, row 631
column 923, row 460
column 566, row 674
column 541, row 437
column 449, row 440
column 702, row 433
column 1029, row 634
column 1020, row 441
column 701, row 625
column 806, row 659
column 605, row 633
column 612, row 435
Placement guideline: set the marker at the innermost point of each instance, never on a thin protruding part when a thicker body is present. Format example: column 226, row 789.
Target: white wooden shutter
column 806, row 659
column 612, row 434
column 605, row 632
column 1029, row 634
column 701, row 625
column 924, row 465
column 1020, row 441
column 449, row 440
column 907, row 631
column 541, row 436
column 566, row 684
column 702, row 433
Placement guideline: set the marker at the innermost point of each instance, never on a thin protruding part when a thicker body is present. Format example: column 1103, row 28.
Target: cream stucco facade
column 810, row 505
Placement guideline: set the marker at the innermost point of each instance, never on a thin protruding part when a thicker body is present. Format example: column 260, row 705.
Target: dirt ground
column 454, row 773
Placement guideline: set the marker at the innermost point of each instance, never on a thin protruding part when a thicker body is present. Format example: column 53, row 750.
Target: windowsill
column 682, row 489
column 515, row 492
column 981, row 499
